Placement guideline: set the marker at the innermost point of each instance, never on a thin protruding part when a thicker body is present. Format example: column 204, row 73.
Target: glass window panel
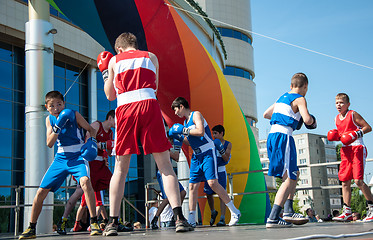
column 100, row 81
column 245, row 38
column 6, row 52
column 239, row 72
column 53, row 11
column 237, row 34
column 5, row 164
column 5, row 142
column 72, row 73
column 228, row 70
column 59, row 69
column 101, row 115
column 6, row 74
column 227, row 32
column 6, row 93
column 247, row 74
column 59, row 84
column 6, row 107
column 73, row 95
column 102, row 103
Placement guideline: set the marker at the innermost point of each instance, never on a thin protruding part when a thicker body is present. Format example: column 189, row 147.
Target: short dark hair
column 53, row 95
column 299, row 80
column 219, row 128
column 180, row 101
column 343, row 96
column 126, row 40
column 111, row 113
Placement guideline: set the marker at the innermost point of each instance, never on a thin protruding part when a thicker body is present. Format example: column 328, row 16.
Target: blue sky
column 342, row 29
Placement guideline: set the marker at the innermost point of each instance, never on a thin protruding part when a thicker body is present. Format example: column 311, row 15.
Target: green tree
column 357, row 201
column 338, row 151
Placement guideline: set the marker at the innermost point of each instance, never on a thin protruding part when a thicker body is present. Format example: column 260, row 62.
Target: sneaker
column 127, row 227
column 154, row 223
column 61, row 226
column 234, row 219
column 95, row 229
column 28, row 234
column 280, row 223
column 295, row 218
column 221, row 223
column 214, row 214
column 103, row 224
column 346, row 215
column 77, row 227
column 110, row 230
column 183, row 226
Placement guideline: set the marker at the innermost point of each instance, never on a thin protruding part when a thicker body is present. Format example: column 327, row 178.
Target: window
column 303, row 171
column 236, row 71
column 227, row 32
column 302, row 161
column 301, row 141
column 304, row 181
column 301, row 151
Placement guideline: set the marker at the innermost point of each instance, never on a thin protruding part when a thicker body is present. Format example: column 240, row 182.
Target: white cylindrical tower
column 234, row 24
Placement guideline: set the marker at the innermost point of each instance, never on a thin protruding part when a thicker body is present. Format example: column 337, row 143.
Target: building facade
column 233, row 20
column 313, row 149
column 75, row 73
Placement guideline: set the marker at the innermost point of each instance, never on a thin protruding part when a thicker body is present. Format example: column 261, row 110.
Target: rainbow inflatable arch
column 186, row 69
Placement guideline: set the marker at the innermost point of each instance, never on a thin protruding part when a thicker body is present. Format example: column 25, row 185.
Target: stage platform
column 326, row 230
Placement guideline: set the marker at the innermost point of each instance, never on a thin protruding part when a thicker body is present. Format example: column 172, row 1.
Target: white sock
column 192, row 217
column 232, row 208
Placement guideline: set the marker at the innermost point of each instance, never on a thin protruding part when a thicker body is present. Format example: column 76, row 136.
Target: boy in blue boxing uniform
column 223, row 154
column 64, row 126
column 203, row 166
column 287, row 115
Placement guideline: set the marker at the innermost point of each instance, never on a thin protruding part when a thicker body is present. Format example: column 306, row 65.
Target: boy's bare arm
column 51, row 136
column 84, row 124
column 198, row 121
column 109, row 83
column 175, row 155
column 154, row 60
column 227, row 153
column 360, row 121
column 302, row 107
column 268, row 113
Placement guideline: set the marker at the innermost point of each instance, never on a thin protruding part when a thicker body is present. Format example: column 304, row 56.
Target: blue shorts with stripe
column 282, row 155
column 203, row 167
column 63, row 165
column 160, row 182
column 222, row 179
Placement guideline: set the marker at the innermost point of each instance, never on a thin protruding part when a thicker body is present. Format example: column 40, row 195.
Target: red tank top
column 134, row 70
column 346, row 124
column 103, row 136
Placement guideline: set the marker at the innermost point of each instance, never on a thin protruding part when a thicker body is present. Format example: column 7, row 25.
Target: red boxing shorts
column 100, row 175
column 98, row 199
column 140, row 122
column 352, row 163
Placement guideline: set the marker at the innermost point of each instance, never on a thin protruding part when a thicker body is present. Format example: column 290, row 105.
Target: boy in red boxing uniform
column 351, row 127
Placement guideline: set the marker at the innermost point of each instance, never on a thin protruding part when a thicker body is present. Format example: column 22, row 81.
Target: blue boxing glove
column 178, row 144
column 89, row 149
column 313, row 125
column 178, row 128
column 64, row 116
column 219, row 146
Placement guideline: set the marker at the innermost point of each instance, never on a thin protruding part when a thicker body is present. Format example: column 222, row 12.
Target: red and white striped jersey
column 134, row 70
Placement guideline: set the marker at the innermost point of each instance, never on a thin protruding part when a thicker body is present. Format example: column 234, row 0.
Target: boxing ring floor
column 325, row 230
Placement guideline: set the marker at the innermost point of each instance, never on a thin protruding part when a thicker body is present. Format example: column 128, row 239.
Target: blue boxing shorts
column 64, row 164
column 203, row 167
column 222, row 179
column 160, row 182
column 282, row 155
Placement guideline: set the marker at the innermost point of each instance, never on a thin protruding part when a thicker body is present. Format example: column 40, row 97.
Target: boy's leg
column 221, row 222
column 160, row 209
column 86, row 185
column 37, row 205
column 218, row 189
column 193, row 197
column 214, row 213
column 346, row 213
column 116, row 191
column 369, row 199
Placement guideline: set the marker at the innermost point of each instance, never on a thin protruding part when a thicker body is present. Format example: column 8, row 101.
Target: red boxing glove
column 333, row 135
column 109, row 144
column 350, row 137
column 103, row 60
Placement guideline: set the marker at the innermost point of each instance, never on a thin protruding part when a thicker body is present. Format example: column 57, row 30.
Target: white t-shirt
column 167, row 214
column 152, row 212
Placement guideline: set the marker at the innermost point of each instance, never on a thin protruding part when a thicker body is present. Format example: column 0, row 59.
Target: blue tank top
column 70, row 134
column 283, row 113
column 195, row 141
column 219, row 158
